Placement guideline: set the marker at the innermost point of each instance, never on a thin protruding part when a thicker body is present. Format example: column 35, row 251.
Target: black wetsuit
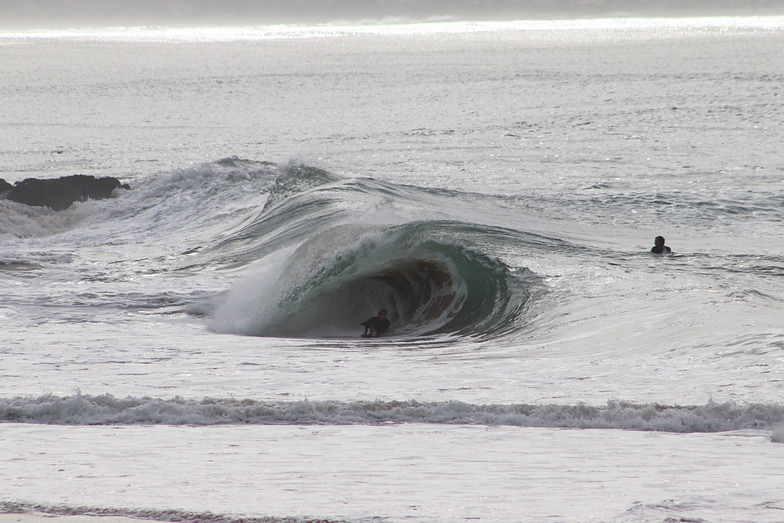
column 660, row 249
column 377, row 325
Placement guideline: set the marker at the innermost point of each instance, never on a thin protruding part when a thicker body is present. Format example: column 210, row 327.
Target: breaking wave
column 107, row 410
column 426, row 275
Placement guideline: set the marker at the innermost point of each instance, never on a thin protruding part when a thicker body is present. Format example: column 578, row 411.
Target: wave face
column 321, row 276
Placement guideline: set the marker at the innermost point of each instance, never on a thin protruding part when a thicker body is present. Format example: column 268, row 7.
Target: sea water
column 189, row 349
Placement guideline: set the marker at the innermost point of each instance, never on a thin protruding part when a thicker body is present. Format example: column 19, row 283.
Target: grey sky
column 54, row 13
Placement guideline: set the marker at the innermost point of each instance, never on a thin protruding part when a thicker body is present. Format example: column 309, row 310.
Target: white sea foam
column 108, row 410
column 23, row 221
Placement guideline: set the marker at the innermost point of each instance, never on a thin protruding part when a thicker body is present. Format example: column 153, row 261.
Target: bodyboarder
column 376, row 326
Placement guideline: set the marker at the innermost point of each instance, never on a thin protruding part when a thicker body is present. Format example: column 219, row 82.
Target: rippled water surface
column 190, row 347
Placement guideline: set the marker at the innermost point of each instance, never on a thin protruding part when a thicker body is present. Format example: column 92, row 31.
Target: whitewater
column 189, row 350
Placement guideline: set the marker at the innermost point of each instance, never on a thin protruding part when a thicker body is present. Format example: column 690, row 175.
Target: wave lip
column 108, row 410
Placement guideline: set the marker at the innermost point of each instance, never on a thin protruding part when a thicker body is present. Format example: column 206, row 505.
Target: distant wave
column 107, row 410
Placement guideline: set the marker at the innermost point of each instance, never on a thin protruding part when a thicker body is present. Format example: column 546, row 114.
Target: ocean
column 189, row 349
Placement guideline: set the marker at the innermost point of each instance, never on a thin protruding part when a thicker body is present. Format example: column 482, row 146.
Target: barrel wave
column 317, row 274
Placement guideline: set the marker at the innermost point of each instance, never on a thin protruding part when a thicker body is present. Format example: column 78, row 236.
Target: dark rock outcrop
column 60, row 193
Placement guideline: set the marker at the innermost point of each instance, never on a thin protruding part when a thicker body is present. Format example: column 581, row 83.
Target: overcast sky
column 60, row 13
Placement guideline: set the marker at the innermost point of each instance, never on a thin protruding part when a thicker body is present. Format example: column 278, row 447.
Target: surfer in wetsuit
column 659, row 247
column 377, row 325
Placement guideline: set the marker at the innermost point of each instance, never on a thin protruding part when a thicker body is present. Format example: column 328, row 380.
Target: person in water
column 377, row 325
column 659, row 247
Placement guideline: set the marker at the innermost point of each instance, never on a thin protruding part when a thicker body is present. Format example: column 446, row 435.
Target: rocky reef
column 60, row 193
